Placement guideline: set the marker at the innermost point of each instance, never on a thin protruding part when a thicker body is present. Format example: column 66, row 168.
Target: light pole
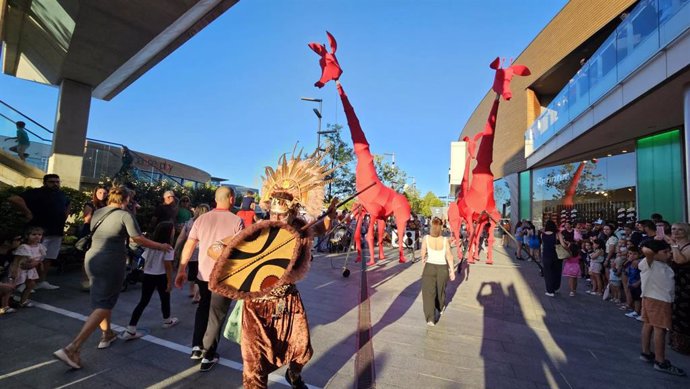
column 392, row 155
column 317, row 112
column 332, row 158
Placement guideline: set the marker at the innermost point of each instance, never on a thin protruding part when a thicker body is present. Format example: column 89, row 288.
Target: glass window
column 596, row 189
column 502, row 197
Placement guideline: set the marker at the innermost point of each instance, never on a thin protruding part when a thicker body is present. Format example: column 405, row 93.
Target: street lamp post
column 317, row 112
column 332, row 157
column 392, row 155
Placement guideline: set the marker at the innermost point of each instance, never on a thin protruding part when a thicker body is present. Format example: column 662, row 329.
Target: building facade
column 598, row 130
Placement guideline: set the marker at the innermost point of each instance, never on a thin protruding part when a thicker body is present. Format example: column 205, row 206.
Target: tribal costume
column 275, row 330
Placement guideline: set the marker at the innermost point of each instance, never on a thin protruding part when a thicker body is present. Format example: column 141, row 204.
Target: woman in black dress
column 552, row 265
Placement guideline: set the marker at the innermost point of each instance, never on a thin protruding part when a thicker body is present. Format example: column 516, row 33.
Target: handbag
column 84, row 244
column 233, row 328
column 562, row 252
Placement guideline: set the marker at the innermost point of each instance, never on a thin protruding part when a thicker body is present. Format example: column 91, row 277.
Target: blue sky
column 228, row 101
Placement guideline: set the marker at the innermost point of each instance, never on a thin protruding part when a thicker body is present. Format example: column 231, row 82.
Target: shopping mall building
column 89, row 50
column 605, row 112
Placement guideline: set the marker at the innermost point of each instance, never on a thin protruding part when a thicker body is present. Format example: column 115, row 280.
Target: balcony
column 649, row 28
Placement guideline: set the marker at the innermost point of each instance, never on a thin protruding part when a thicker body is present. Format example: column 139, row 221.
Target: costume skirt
column 275, row 332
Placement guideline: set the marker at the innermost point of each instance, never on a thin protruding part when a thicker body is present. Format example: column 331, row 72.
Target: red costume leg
column 358, row 238
column 370, row 242
column 381, row 226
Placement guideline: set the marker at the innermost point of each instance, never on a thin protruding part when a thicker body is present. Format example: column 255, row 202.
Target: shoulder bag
column 84, row 244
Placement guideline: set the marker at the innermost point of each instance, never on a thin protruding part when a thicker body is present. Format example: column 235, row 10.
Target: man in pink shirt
column 213, row 308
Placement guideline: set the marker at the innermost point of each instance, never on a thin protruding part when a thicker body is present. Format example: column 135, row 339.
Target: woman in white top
column 438, row 267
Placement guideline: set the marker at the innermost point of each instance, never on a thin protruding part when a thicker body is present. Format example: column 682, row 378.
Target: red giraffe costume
column 480, row 196
column 379, row 201
column 456, row 215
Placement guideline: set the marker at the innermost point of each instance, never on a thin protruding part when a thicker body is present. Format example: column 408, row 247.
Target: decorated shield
column 258, row 259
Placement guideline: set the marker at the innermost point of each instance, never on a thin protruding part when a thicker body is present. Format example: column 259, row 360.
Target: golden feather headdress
column 297, row 182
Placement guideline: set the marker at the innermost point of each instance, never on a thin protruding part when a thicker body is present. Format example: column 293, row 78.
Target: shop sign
column 541, row 181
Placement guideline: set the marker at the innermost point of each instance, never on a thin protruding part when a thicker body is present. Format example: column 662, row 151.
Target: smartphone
column 660, row 232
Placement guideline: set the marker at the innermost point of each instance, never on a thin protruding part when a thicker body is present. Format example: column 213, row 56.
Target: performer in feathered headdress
column 262, row 264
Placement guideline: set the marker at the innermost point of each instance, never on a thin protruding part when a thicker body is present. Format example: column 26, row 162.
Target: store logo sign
column 553, row 179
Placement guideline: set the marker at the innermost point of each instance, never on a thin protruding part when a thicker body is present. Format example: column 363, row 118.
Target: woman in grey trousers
column 438, row 267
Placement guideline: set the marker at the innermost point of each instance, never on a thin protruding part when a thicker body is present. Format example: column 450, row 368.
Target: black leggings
column 149, row 284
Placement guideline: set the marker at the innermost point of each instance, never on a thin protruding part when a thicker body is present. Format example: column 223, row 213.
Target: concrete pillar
column 69, row 139
column 686, row 147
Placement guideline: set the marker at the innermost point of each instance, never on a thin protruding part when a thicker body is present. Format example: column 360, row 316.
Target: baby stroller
column 339, row 239
column 134, row 272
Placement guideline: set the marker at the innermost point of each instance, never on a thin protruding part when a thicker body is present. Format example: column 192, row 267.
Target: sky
column 228, row 100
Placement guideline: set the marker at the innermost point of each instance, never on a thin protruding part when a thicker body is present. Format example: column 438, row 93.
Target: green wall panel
column 660, row 176
column 525, row 195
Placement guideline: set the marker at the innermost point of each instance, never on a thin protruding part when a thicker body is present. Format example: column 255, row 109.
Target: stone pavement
column 499, row 331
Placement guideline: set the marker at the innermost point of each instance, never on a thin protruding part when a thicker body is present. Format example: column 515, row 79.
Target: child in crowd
column 634, row 283
column 571, row 268
column 532, row 240
column 596, row 263
column 6, row 278
column 658, row 290
column 27, row 257
column 519, row 240
column 584, row 258
column 616, row 272
column 157, row 276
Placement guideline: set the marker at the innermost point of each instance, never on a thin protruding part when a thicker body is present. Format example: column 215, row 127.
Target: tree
column 430, row 200
column 391, row 175
column 413, row 197
column 342, row 157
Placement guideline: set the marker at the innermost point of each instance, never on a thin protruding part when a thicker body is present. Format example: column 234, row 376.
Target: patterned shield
column 256, row 260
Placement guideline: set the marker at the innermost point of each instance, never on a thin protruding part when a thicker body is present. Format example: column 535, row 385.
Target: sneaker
column 297, row 383
column 632, row 315
column 550, row 294
column 170, row 322
column 128, row 335
column 46, row 285
column 666, row 367
column 649, row 358
column 106, row 339
column 639, row 318
column 7, row 310
column 572, row 294
column 26, row 304
column 197, row 353
column 430, row 323
column 70, row 358
column 208, row 364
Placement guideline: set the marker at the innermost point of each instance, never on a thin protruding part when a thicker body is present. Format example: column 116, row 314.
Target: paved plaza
column 499, row 331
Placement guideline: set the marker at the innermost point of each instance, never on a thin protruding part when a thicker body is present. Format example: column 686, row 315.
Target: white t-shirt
column 657, row 280
column 154, row 264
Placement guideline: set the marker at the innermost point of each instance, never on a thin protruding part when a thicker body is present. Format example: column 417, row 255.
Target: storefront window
column 585, row 191
column 502, row 197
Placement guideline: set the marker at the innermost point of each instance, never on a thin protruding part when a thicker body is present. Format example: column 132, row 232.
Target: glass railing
column 650, row 26
column 37, row 152
column 101, row 158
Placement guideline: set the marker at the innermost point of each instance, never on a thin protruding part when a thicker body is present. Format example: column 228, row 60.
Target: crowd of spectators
column 643, row 268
